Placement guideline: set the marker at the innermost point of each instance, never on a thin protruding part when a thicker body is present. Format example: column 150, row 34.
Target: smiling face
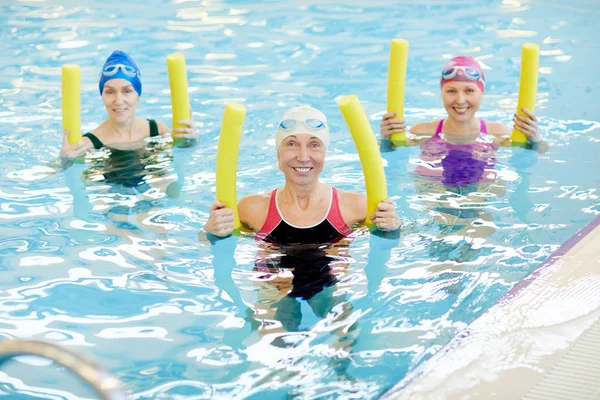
column 301, row 158
column 120, row 100
column 461, row 100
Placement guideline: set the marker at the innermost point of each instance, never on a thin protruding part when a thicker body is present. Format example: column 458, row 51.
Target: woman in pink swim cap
column 458, row 154
column 462, row 83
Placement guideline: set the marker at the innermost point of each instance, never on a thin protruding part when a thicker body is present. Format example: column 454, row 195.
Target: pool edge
column 435, row 378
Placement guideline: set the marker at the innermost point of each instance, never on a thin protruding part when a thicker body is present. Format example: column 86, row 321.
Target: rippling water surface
column 123, row 275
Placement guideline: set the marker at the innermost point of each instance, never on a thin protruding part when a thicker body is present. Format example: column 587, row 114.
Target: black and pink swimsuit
column 277, row 230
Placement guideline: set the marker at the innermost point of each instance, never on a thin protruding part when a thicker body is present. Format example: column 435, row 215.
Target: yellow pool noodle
column 180, row 99
column 227, row 157
column 530, row 60
column 368, row 151
column 71, row 101
column 396, row 79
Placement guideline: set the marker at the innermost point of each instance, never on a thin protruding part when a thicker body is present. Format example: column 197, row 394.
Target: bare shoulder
column 497, row 129
column 353, row 206
column 253, row 209
column 424, row 128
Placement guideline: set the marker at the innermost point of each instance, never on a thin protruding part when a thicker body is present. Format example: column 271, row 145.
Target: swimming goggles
column 311, row 123
column 469, row 73
column 128, row 70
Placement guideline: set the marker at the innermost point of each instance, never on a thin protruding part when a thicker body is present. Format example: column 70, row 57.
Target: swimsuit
column 459, row 164
column 98, row 143
column 277, row 230
column 125, row 167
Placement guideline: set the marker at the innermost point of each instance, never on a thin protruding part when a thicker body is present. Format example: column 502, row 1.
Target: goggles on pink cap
column 465, row 69
column 468, row 72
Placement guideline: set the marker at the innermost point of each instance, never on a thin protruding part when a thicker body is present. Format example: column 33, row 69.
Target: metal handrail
column 106, row 385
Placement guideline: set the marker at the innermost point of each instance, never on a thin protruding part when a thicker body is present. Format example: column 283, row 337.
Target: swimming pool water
column 125, row 275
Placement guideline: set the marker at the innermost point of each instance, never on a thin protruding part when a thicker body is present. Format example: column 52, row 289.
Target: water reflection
column 462, row 188
column 302, row 300
column 126, row 183
column 305, row 279
column 522, row 160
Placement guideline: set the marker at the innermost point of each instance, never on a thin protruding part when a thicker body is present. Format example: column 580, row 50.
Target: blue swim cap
column 120, row 65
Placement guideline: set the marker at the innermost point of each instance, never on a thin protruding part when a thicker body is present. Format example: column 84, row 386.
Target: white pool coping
column 540, row 341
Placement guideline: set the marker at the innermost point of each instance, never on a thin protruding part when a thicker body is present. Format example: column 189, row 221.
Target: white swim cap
column 299, row 120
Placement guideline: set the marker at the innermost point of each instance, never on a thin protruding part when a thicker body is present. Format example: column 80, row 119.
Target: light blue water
column 123, row 276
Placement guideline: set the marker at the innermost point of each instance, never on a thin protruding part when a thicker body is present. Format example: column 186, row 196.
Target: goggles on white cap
column 302, row 120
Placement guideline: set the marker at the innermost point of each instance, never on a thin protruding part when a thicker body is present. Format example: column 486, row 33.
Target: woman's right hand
column 389, row 124
column 220, row 220
column 71, row 150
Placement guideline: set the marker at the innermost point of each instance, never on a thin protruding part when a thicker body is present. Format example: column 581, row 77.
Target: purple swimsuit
column 459, row 164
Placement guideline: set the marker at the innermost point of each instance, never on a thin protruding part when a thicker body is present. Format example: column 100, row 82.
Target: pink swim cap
column 463, row 69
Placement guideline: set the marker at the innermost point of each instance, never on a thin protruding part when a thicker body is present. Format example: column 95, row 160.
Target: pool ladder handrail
column 106, row 385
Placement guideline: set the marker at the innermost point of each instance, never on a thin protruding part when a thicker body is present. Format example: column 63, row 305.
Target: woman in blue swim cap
column 121, row 88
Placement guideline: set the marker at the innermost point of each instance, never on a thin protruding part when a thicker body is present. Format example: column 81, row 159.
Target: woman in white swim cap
column 304, row 210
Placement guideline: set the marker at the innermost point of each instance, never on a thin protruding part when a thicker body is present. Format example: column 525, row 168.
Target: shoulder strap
column 273, row 217
column 482, row 126
column 439, row 127
column 95, row 141
column 153, row 128
column 335, row 215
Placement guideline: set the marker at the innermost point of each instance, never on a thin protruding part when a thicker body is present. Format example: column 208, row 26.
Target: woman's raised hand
column 389, row 124
column 72, row 150
column 220, row 220
column 528, row 124
column 385, row 216
column 189, row 132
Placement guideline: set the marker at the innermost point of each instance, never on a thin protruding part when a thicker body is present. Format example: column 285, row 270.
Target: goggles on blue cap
column 127, row 70
column 120, row 65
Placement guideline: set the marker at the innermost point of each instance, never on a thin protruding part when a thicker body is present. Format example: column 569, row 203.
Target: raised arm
column 353, row 207
column 70, row 151
column 189, row 132
column 220, row 220
column 253, row 210
column 418, row 132
column 528, row 124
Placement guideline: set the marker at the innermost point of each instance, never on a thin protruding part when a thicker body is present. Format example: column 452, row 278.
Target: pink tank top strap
column 439, row 127
column 482, row 126
column 273, row 217
column 335, row 215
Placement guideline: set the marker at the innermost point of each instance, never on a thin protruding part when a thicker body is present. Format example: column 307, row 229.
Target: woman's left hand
column 70, row 151
column 528, row 124
column 188, row 133
column 385, row 216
